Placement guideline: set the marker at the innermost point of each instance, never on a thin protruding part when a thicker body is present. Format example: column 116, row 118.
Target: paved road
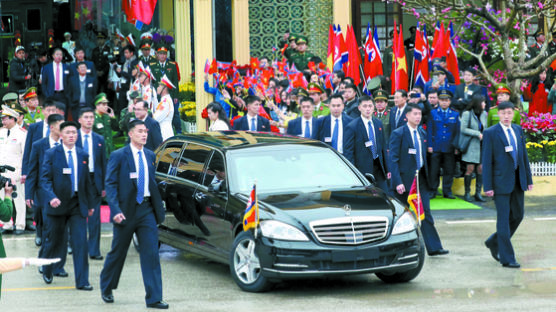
column 466, row 280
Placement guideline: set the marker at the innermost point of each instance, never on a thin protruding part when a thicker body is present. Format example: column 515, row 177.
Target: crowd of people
column 58, row 136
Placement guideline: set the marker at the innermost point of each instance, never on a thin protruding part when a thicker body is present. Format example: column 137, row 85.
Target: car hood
column 297, row 207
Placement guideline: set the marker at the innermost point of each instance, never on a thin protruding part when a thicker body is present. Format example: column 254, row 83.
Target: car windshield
column 288, row 167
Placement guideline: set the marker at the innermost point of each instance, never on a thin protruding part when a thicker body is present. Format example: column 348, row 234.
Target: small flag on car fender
column 414, row 200
column 251, row 216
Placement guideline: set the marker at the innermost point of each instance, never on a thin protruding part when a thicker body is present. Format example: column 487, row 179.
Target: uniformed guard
column 100, row 59
column 315, row 92
column 291, row 50
column 165, row 109
column 12, row 144
column 381, row 112
column 164, row 67
column 302, row 58
column 146, row 56
column 34, row 111
column 503, row 94
column 105, row 121
column 442, row 130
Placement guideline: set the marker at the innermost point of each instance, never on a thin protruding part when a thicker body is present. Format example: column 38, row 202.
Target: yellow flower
column 544, row 142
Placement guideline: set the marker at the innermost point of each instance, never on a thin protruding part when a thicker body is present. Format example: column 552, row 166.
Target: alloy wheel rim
column 246, row 263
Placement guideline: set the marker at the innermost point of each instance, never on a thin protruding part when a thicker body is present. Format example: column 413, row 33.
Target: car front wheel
column 245, row 265
column 404, row 277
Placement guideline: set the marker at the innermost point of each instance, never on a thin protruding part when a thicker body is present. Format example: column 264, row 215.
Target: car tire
column 245, row 265
column 404, row 277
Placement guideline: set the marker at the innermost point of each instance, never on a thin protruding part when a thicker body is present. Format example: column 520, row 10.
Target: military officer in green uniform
column 126, row 115
column 381, row 112
column 291, row 49
column 315, row 92
column 6, row 208
column 146, row 58
column 34, row 111
column 503, row 94
column 105, row 121
column 162, row 67
column 302, row 58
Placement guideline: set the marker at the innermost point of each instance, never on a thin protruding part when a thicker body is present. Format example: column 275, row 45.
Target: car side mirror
column 371, row 178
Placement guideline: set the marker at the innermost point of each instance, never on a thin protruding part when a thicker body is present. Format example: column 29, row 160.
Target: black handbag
column 463, row 140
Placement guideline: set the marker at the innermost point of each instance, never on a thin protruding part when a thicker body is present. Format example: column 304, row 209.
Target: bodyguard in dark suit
column 398, row 112
column 154, row 139
column 305, row 126
column 351, row 101
column 65, row 181
column 332, row 128
column 442, row 131
column 466, row 90
column 33, row 193
column 364, row 144
column 506, row 175
column 135, row 207
column 252, row 121
column 93, row 144
column 82, row 90
column 407, row 156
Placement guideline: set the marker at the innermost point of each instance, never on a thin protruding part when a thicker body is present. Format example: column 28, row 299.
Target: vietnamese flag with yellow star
column 399, row 74
column 83, row 12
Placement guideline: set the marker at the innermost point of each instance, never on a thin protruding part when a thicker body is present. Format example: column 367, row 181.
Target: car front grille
column 350, row 230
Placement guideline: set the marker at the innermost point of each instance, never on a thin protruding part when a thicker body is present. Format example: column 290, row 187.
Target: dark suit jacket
column 461, row 99
column 48, row 82
column 34, row 133
column 402, row 164
column 127, row 75
column 74, row 91
column 296, row 128
column 35, row 160
column 355, row 150
column 325, row 129
column 99, row 158
column 498, row 164
column 121, row 190
column 401, row 122
column 154, row 139
column 352, row 109
column 91, row 71
column 55, row 184
column 242, row 123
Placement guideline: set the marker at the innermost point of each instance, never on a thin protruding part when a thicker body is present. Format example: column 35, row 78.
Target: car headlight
column 281, row 231
column 406, row 223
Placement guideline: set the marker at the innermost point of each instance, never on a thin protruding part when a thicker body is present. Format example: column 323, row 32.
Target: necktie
column 70, row 164
column 58, row 85
column 9, row 132
column 398, row 114
column 86, row 143
column 417, row 145
column 140, row 179
column 56, row 143
column 372, row 139
column 253, row 127
column 307, row 129
column 514, row 146
column 335, row 135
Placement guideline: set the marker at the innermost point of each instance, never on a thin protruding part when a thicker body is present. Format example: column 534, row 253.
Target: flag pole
column 256, row 211
column 418, row 196
column 412, row 73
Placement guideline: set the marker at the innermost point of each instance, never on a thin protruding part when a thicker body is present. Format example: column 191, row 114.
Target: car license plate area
column 355, row 255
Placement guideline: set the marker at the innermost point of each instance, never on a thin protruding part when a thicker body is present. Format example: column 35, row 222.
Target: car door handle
column 199, row 196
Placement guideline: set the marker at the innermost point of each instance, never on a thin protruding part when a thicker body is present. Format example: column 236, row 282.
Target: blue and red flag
column 421, row 57
column 373, row 60
column 251, row 216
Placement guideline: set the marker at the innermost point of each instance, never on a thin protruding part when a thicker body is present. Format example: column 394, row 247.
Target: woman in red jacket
column 537, row 93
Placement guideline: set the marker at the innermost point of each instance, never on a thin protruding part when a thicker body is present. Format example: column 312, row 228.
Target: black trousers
column 446, row 161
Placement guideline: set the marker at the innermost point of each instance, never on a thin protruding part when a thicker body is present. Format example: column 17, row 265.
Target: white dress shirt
column 52, row 143
column 304, row 126
column 134, row 151
column 411, row 130
column 249, row 121
column 74, row 169
column 340, row 132
column 44, row 128
column 90, row 149
column 505, row 129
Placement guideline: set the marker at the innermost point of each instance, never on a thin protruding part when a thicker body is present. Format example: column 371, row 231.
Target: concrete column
column 203, row 27
column 182, row 18
column 342, row 13
column 240, row 31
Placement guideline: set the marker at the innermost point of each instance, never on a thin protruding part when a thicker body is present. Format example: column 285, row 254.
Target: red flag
column 139, row 10
column 441, row 45
column 373, row 59
column 414, row 200
column 421, row 57
column 452, row 58
column 330, row 54
column 312, row 67
column 255, row 63
column 213, row 69
column 400, row 64
column 354, row 58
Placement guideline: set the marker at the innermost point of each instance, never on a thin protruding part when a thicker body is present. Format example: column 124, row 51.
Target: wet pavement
column 467, row 279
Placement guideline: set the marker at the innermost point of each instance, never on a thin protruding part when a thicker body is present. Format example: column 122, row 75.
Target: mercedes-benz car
column 318, row 214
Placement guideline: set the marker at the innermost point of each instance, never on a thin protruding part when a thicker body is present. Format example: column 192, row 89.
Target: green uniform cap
column 100, row 98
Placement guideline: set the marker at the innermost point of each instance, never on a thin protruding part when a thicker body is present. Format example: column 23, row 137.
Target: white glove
column 40, row 261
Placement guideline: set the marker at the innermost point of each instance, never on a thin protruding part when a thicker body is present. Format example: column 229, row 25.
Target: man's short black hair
column 337, row 96
column 82, row 63
column 402, row 92
column 85, row 110
column 306, row 99
column 435, row 91
column 78, row 48
column 145, row 104
column 411, row 107
column 505, row 105
column 340, row 74
column 365, row 98
column 66, row 124
column 351, row 86
column 134, row 123
column 59, row 105
column 351, row 81
column 250, row 99
column 129, row 48
column 54, row 118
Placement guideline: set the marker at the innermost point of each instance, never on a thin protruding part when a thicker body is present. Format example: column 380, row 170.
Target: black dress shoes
column 439, row 252
column 96, row 257
column 107, row 297
column 158, row 305
column 40, row 269
column 493, row 252
column 449, row 196
column 62, row 274
column 86, row 287
column 38, row 241
column 512, row 265
column 47, row 279
column 19, row 232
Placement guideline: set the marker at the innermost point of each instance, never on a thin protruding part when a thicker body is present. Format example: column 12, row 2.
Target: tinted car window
column 192, row 161
column 216, row 168
column 166, row 157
